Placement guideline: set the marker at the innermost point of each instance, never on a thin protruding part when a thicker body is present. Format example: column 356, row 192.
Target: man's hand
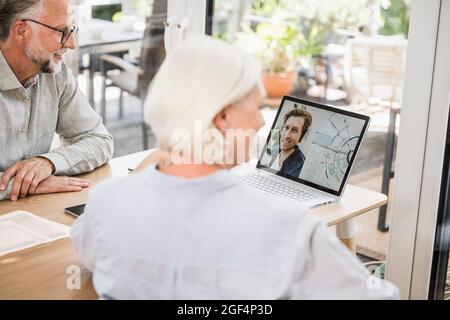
column 28, row 174
column 54, row 184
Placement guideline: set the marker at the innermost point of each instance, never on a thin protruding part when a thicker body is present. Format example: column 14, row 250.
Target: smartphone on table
column 75, row 211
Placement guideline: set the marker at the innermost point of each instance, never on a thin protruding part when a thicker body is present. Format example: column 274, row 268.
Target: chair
column 375, row 68
column 135, row 79
column 373, row 64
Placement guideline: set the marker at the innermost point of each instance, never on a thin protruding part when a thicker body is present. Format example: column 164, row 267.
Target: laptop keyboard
column 276, row 188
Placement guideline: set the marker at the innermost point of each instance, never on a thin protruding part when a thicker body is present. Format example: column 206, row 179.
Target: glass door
column 418, row 248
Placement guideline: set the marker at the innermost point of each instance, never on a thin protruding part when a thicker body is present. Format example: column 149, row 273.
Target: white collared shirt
column 155, row 236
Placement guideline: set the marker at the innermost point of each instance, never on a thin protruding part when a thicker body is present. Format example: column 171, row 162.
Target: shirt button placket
column 26, row 122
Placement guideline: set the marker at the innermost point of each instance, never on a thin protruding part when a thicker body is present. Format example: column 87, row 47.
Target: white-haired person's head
column 203, row 100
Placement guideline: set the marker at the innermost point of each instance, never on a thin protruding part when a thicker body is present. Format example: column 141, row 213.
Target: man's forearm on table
column 82, row 156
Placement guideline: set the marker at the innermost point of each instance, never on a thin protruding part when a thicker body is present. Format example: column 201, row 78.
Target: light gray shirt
column 30, row 117
column 155, row 236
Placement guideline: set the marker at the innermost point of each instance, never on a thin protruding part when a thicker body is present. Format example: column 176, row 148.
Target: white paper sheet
column 21, row 229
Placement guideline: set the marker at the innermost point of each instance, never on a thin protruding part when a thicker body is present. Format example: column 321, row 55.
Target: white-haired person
column 186, row 227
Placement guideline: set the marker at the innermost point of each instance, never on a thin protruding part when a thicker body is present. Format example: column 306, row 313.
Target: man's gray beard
column 45, row 65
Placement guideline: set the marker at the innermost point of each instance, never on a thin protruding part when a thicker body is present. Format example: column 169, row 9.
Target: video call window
column 312, row 144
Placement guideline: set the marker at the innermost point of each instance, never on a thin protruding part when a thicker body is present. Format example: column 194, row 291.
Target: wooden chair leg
column 387, row 168
column 90, row 81
column 145, row 135
column 103, row 98
column 143, row 124
column 121, row 104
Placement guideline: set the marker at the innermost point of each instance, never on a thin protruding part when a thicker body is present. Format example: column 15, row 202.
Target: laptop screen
column 313, row 144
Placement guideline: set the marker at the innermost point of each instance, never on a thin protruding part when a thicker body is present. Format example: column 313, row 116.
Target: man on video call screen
column 287, row 158
column 312, row 144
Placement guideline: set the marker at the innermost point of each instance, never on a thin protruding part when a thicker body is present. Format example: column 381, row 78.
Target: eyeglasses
column 65, row 33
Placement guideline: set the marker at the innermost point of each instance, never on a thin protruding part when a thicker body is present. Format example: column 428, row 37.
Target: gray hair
column 196, row 81
column 11, row 10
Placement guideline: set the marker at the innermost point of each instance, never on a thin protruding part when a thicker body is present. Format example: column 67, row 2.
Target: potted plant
column 279, row 56
column 283, row 49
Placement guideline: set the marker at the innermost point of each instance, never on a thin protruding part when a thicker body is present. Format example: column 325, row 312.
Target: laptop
column 309, row 152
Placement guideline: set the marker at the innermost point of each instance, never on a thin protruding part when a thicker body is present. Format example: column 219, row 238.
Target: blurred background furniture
column 388, row 171
column 102, row 37
column 375, row 68
column 135, row 79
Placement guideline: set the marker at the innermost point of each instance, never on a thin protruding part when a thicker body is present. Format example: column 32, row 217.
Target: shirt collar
column 8, row 80
column 30, row 82
column 219, row 180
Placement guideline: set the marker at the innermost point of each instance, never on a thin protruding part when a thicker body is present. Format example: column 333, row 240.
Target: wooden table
column 42, row 272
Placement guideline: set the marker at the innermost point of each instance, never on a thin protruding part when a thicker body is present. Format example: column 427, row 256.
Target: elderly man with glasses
column 40, row 97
